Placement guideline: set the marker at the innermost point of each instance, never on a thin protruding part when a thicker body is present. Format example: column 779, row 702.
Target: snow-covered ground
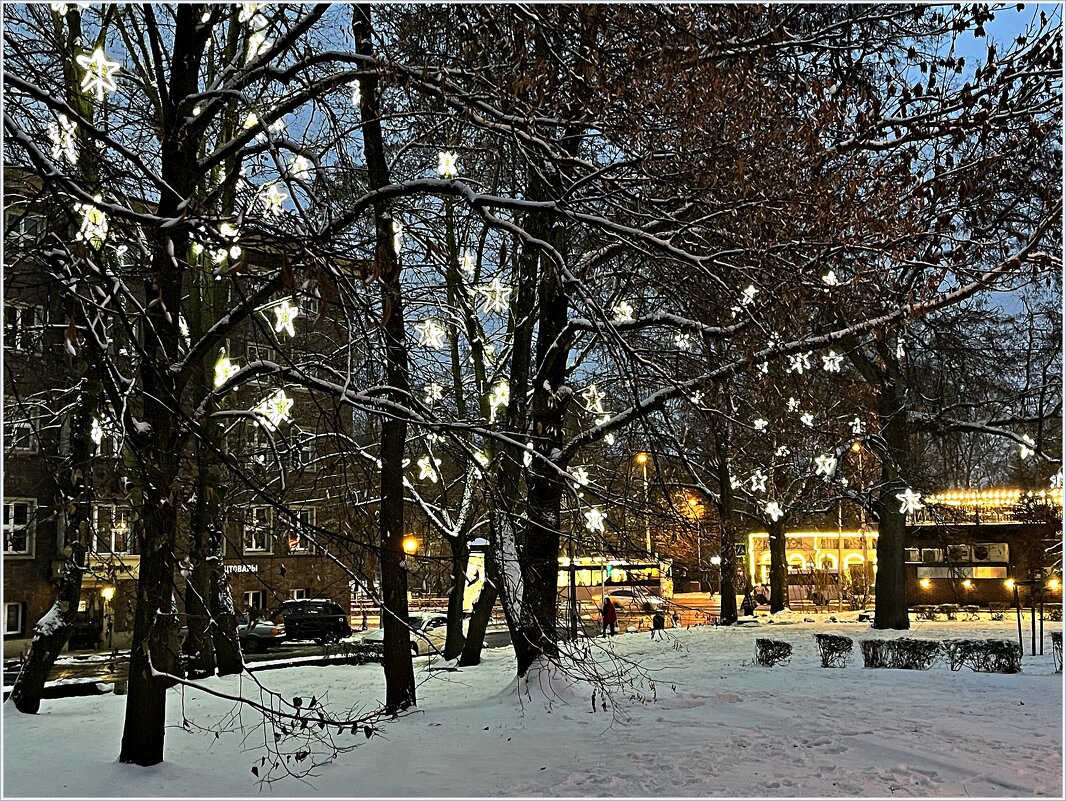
column 713, row 724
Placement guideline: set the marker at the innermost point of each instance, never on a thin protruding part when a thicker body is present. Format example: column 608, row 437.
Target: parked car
column 429, row 630
column 317, row 619
column 260, row 635
column 633, row 599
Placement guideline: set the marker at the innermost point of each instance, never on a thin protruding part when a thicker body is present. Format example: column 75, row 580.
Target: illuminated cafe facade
column 965, row 547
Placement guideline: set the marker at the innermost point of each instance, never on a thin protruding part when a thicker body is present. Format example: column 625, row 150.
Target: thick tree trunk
column 778, row 567
column 479, row 623
column 890, row 588
column 50, row 636
column 454, row 643
column 727, row 616
column 536, row 635
column 399, row 672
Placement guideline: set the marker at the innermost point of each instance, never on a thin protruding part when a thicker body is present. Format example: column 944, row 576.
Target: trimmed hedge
column 877, row 653
column 771, row 652
column 984, row 656
column 834, row 649
column 904, row 653
column 1056, row 649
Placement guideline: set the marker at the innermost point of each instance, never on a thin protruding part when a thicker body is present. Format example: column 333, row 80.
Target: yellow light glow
column 925, row 583
column 967, row 584
column 856, row 446
column 1009, row 584
column 410, row 544
column 641, row 457
column 1054, row 584
column 107, row 593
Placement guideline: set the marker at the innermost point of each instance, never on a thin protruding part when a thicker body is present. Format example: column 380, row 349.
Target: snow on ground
column 714, row 724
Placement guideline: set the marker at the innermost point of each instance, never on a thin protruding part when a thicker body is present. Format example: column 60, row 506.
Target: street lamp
column 642, row 459
column 410, row 544
column 694, row 510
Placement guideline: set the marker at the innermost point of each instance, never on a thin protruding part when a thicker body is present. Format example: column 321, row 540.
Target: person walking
column 610, row 616
column 676, row 618
column 747, row 606
column 658, row 626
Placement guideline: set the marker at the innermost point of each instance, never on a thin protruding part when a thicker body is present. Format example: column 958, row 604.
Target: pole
column 1018, row 610
column 647, row 519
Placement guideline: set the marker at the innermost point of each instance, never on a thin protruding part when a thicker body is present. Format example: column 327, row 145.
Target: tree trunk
column 454, row 644
column 399, row 672
column 50, row 636
column 890, row 588
column 778, row 567
column 479, row 622
column 727, row 615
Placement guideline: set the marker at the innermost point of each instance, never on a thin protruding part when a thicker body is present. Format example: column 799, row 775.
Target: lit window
column 302, row 594
column 15, row 618
column 256, row 599
column 299, row 540
column 113, row 534
column 257, row 529
column 18, row 526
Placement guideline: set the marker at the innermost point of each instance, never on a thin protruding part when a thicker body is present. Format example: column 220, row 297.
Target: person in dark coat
column 747, row 606
column 610, row 616
column 658, row 626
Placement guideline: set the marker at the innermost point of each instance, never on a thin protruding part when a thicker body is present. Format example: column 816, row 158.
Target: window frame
column 20, row 606
column 115, row 512
column 251, row 595
column 16, row 337
column 307, row 516
column 251, row 512
column 12, row 424
column 29, row 527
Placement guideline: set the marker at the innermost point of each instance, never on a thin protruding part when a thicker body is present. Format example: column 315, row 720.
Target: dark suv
column 314, row 619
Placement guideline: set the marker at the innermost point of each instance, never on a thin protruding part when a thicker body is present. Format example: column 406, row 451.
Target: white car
column 633, row 599
column 429, row 630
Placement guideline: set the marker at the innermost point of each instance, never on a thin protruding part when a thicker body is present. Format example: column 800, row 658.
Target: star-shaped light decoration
column 760, row 424
column 594, row 518
column 696, row 398
column 258, row 43
column 275, row 409
column 735, row 482
column 581, row 476
column 1028, row 448
column 248, row 10
column 64, row 140
column 96, row 431
column 430, row 334
column 527, row 457
column 782, row 451
column 495, row 294
column 94, row 223
column 286, row 313
column 468, row 262
column 793, row 404
column 910, row 501
column 798, row 362
column 99, row 73
column 825, row 465
column 272, row 198
column 830, row 279
column 856, row 426
column 434, row 392
column 748, row 295
column 593, row 399
column 427, row 468
column 758, row 481
column 59, row 8
column 831, row 362
column 300, row 168
column 500, row 397
column 764, row 367
column 1056, row 480
column 224, row 369
column 774, row 511
column 357, row 93
column 446, row 164
column 683, row 340
column 397, row 237
column 807, row 419
column 623, row 312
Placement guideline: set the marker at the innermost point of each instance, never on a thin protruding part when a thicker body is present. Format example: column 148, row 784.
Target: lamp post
column 642, row 460
column 694, row 510
column 107, row 593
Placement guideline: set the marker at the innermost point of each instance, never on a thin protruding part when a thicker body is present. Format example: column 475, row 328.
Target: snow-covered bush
column 1056, row 649
column 876, row 653
column 771, row 652
column 984, row 656
column 834, row 649
column 912, row 654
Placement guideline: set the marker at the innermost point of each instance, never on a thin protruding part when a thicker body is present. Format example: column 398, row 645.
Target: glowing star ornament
column 782, row 451
column 605, row 418
column 500, row 397
column 1028, row 448
column 735, row 482
column 799, row 362
column 594, row 518
column 748, row 295
column 581, row 477
column 94, row 223
column 910, row 501
column 696, row 398
column 434, row 392
column 99, row 73
column 774, row 511
column 427, row 468
column 446, row 164
column 96, row 432
column 430, row 335
column 807, row 419
column 758, row 481
column 793, row 404
column 64, row 140
column 258, row 44
column 830, row 279
column 285, row 314
column 831, row 362
column 272, row 198
column 468, row 262
column 224, row 370
column 623, row 313
column 856, row 426
column 760, row 424
column 825, row 465
column 593, row 399
column 1056, row 480
column 764, row 368
column 299, row 168
column 496, row 295
column 275, row 409
column 683, row 340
